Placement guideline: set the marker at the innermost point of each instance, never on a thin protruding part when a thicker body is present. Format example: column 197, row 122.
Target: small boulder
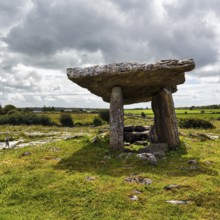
column 149, row 157
column 133, row 197
column 26, row 154
column 171, row 187
column 192, row 161
column 178, row 202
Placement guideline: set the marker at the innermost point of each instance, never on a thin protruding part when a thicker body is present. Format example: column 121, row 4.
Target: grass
column 52, row 182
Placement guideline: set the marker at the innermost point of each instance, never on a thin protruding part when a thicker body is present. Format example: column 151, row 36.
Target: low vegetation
column 14, row 117
column 80, row 178
column 66, row 120
column 195, row 123
column 104, row 115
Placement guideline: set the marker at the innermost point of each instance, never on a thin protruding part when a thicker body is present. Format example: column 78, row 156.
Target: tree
column 8, row 108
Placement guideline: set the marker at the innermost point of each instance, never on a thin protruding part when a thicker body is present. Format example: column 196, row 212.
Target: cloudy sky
column 39, row 39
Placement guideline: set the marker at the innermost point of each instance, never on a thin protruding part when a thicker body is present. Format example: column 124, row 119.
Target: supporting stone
column 165, row 118
column 116, row 119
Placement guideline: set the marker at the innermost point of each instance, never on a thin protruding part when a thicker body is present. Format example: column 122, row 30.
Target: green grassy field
column 79, row 179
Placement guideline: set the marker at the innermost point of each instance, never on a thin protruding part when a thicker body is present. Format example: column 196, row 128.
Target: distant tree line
column 9, row 114
column 201, row 107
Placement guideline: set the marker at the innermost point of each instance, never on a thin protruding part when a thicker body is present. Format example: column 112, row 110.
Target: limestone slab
column 139, row 82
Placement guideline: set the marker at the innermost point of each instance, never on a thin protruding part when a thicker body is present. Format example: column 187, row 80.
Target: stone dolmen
column 128, row 83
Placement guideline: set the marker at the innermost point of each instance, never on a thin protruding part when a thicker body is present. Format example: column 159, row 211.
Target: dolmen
column 130, row 82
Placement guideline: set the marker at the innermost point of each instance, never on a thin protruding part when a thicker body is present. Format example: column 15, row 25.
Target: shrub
column 13, row 111
column 8, row 108
column 66, row 120
column 78, row 124
column 195, row 123
column 143, row 115
column 104, row 115
column 97, row 121
column 19, row 118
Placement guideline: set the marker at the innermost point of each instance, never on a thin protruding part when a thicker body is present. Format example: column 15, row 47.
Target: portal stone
column 116, row 119
column 165, row 119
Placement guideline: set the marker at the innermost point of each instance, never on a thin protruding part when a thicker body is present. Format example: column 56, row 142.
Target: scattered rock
column 55, row 149
column 192, row 161
column 193, row 168
column 136, row 191
column 108, row 157
column 172, row 186
column 121, row 155
column 58, row 159
column 149, row 157
column 129, row 155
column 178, row 202
column 208, row 136
column 26, row 154
column 209, row 162
column 133, row 197
column 51, row 158
column 159, row 155
column 141, row 180
column 190, row 168
column 90, row 178
column 73, row 137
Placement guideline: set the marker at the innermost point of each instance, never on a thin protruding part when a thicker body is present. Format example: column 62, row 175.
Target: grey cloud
column 12, row 11
column 124, row 30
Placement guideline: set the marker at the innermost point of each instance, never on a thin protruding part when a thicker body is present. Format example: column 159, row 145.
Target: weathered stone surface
column 139, row 82
column 137, row 179
column 116, row 120
column 165, row 119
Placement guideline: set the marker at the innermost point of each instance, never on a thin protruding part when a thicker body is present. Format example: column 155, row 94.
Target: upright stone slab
column 116, row 119
column 165, row 118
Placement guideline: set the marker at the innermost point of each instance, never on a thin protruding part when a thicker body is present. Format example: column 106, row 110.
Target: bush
column 8, row 108
column 19, row 118
column 104, row 115
column 78, row 124
column 13, row 111
column 143, row 115
column 66, row 120
column 195, row 123
column 97, row 121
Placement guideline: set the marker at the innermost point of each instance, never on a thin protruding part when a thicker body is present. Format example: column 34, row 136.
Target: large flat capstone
column 139, row 82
